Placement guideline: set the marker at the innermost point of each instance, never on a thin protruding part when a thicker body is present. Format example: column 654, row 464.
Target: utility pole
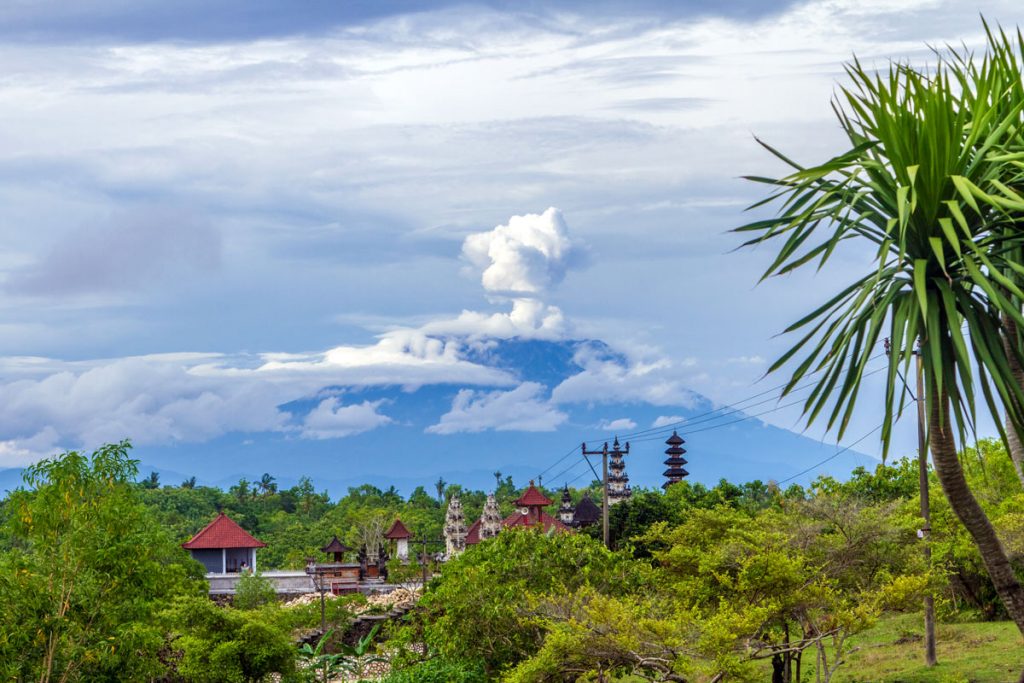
column 930, row 658
column 604, row 489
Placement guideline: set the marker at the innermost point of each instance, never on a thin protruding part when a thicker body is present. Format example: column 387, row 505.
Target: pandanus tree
column 924, row 190
column 1002, row 71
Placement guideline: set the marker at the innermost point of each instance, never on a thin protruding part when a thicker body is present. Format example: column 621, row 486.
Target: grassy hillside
column 892, row 652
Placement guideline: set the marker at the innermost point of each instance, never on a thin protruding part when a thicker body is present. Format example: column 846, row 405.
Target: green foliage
column 928, row 182
column 225, row 645
column 439, row 670
column 88, row 570
column 475, row 610
column 253, row 590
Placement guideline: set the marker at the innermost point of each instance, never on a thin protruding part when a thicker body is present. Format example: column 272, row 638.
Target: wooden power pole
column 604, row 489
column 922, row 463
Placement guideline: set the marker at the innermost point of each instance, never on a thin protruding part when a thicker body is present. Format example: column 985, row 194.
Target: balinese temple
column 223, row 547
column 586, row 513
column 565, row 512
column 531, row 512
column 400, row 535
column 454, row 528
column 337, row 549
column 675, row 461
column 618, row 480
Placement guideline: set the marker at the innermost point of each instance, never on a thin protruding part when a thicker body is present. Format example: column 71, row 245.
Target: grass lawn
column 893, row 652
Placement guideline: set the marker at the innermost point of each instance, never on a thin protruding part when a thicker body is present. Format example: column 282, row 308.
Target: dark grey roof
column 586, row 511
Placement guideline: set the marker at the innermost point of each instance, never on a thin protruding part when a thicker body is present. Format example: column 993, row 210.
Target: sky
column 209, row 211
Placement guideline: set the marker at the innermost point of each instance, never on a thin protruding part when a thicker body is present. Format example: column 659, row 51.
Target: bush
column 224, row 645
column 254, row 590
column 439, row 670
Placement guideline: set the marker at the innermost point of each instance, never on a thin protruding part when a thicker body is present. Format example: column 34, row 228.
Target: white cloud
column 525, row 257
column 664, row 420
column 604, row 379
column 528, row 319
column 331, row 420
column 522, row 409
column 621, row 424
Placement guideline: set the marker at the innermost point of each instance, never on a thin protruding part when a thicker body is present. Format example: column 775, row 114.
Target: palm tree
column 267, row 484
column 497, row 479
column 189, row 483
column 439, row 485
column 923, row 184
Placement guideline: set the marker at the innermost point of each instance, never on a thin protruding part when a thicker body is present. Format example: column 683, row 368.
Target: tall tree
column 923, row 185
column 90, row 569
column 439, row 485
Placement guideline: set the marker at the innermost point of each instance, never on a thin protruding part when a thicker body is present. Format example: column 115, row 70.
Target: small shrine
column 400, row 535
column 675, row 461
column 335, row 576
column 618, row 480
column 337, row 549
column 223, row 547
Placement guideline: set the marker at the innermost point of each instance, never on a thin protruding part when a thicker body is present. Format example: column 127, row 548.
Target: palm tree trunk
column 967, row 509
column 1013, row 437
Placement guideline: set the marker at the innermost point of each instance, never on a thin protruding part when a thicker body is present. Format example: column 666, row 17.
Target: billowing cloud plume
column 522, row 409
column 331, row 420
column 525, row 257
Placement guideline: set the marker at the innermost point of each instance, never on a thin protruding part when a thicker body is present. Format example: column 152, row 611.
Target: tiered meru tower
column 675, row 460
column 565, row 512
column 618, row 480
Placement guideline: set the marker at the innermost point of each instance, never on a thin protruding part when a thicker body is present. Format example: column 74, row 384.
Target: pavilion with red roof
column 224, row 547
column 531, row 512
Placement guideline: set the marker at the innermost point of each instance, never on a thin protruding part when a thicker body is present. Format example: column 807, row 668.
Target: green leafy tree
column 224, row 645
column 928, row 183
column 89, row 569
column 475, row 611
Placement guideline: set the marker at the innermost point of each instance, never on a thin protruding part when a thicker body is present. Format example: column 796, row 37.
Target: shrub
column 254, row 590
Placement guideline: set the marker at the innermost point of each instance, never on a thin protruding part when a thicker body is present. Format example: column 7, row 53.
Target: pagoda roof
column 545, row 521
column 586, row 511
column 533, row 498
column 473, row 535
column 335, row 546
column 397, row 531
column 222, row 532
column 675, row 440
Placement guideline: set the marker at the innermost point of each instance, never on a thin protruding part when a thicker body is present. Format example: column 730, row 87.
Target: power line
column 831, row 457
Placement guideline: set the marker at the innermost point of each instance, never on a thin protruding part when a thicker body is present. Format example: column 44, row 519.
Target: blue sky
column 212, row 211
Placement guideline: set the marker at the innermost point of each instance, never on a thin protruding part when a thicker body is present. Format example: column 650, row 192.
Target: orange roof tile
column 222, row 532
column 532, row 497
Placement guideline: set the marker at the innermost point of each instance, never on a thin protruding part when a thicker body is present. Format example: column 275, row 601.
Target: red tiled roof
column 473, row 535
column 546, row 521
column 532, row 497
column 222, row 532
column 397, row 531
